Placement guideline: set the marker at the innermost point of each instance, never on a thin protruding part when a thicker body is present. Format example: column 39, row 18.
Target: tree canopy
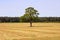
column 30, row 14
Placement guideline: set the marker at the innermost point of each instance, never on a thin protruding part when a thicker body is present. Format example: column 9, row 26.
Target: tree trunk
column 30, row 23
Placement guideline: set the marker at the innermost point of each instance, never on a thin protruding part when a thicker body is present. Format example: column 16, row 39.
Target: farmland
column 22, row 31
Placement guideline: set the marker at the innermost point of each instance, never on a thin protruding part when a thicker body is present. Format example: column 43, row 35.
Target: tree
column 30, row 14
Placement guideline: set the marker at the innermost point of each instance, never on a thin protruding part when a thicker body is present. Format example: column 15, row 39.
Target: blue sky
column 14, row 8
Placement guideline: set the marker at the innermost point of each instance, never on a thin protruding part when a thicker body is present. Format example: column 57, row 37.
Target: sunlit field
column 22, row 31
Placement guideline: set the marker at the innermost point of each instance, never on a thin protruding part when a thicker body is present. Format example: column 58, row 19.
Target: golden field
column 22, row 31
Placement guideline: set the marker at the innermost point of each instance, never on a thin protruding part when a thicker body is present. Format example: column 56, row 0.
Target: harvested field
column 22, row 31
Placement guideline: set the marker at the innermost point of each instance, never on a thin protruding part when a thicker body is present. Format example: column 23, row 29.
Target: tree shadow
column 41, row 26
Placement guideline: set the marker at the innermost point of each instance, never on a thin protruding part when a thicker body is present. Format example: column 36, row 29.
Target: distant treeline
column 39, row 19
column 9, row 19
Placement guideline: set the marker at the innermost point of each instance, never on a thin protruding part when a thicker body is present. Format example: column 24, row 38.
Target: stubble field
column 22, row 31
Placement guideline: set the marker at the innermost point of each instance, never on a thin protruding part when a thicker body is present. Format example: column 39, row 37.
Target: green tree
column 30, row 14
